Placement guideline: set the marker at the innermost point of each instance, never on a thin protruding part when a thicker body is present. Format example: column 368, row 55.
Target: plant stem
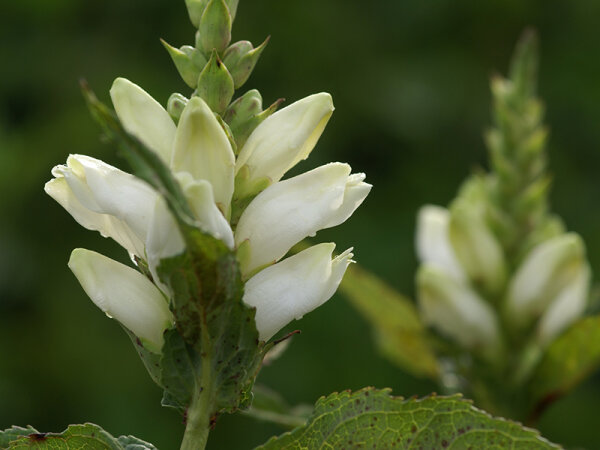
column 199, row 413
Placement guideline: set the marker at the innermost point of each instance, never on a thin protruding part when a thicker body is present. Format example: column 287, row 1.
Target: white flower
column 566, row 307
column 287, row 212
column 548, row 270
column 103, row 198
column 294, row 286
column 456, row 310
column 124, row 294
column 285, row 138
column 201, row 158
column 432, row 242
column 476, row 247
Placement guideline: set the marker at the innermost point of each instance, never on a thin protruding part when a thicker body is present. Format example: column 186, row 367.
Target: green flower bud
column 215, row 27
column 235, row 51
column 215, row 84
column 476, row 248
column 241, row 60
column 243, row 108
column 242, row 129
column 176, row 105
column 232, row 5
column 195, row 9
column 186, row 67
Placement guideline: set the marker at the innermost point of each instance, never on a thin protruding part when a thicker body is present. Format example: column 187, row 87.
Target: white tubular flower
column 123, row 294
column 432, row 242
column 103, row 198
column 144, row 117
column 294, row 287
column 288, row 211
column 476, row 247
column 203, row 149
column 542, row 276
column 456, row 310
column 285, row 138
column 566, row 307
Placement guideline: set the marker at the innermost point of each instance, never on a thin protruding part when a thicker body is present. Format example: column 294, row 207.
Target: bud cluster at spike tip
column 272, row 214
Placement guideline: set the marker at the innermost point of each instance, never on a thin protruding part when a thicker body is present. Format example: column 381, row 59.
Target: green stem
column 197, row 424
column 200, row 411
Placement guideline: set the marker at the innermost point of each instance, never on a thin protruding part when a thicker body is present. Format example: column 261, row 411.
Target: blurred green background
column 410, row 83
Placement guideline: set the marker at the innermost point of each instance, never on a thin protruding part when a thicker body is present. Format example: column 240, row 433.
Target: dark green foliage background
column 410, row 83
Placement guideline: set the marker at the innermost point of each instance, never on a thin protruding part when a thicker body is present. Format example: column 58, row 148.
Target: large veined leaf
column 567, row 361
column 399, row 332
column 373, row 418
column 87, row 436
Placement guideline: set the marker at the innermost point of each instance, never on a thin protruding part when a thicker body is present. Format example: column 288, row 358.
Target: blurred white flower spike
column 200, row 155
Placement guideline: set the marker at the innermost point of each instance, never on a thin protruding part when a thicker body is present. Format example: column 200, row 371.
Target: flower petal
column 123, row 294
column 432, row 240
column 104, row 198
column 203, row 149
column 294, row 287
column 144, row 117
column 286, row 137
column 545, row 272
column 566, row 307
column 456, row 310
column 288, row 211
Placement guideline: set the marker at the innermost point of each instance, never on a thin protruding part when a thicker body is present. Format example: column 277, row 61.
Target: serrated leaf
column 13, row 433
column 75, row 437
column 133, row 443
column 568, row 360
column 399, row 332
column 87, row 436
column 212, row 321
column 373, row 418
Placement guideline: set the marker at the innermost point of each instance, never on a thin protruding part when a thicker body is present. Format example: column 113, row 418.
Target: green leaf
column 567, row 361
column 400, row 335
column 13, row 433
column 133, row 443
column 373, row 418
column 269, row 406
column 87, row 436
column 216, row 330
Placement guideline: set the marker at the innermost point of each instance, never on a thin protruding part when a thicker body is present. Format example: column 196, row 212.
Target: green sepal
column 243, row 67
column 215, row 27
column 243, row 108
column 244, row 192
column 215, row 85
column 195, row 9
column 524, row 65
column 86, row 436
column 372, row 418
column 175, row 105
column 185, row 66
column 242, row 126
